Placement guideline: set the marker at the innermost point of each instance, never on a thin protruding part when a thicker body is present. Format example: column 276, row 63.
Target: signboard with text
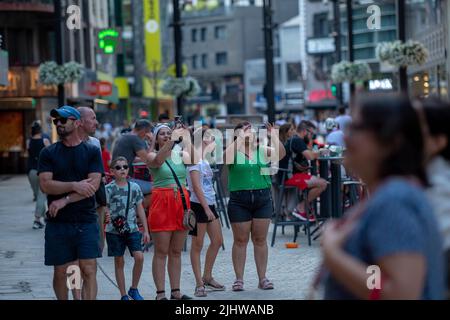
column 320, row 45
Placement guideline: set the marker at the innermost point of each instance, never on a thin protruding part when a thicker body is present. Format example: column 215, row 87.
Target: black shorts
column 201, row 216
column 67, row 242
column 247, row 205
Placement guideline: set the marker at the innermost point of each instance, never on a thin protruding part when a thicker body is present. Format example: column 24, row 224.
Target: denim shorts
column 118, row 243
column 67, row 242
column 247, row 205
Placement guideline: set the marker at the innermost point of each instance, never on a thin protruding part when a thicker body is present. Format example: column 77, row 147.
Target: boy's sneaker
column 125, row 298
column 134, row 294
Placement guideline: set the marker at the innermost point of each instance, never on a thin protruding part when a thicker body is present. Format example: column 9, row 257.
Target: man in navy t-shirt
column 69, row 173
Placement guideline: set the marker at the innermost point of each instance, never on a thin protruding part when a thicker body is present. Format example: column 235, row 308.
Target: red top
column 106, row 157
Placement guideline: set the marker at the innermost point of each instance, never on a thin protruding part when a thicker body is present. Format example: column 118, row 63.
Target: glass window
column 194, row 61
column 364, row 53
column 294, row 71
column 204, row 61
column 221, row 58
column 203, row 34
column 387, row 35
column 363, row 38
column 194, row 35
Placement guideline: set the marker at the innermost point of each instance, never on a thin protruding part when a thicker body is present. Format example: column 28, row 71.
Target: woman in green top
column 165, row 218
column 251, row 207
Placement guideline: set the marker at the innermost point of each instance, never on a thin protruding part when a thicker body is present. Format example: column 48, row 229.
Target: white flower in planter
column 346, row 71
column 73, row 72
column 50, row 73
column 401, row 54
column 177, row 87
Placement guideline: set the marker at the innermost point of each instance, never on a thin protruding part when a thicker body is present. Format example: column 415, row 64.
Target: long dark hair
column 396, row 125
column 284, row 130
column 437, row 115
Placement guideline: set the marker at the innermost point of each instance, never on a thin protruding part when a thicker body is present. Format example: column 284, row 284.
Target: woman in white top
column 203, row 199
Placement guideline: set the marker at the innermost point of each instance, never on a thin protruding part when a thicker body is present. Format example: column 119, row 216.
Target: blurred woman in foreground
column 388, row 247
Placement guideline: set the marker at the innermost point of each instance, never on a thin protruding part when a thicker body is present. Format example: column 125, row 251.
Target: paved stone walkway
column 24, row 276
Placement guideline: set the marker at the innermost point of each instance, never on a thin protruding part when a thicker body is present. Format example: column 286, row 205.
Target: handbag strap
column 180, row 188
column 128, row 200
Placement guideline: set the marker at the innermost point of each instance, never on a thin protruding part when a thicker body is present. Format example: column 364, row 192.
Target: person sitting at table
column 298, row 153
column 388, row 247
column 335, row 135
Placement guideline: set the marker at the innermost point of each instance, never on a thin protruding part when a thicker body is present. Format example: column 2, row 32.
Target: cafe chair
column 280, row 207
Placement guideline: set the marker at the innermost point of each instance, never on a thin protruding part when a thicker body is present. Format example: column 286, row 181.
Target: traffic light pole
column 178, row 53
column 268, row 48
column 337, row 44
column 59, row 47
column 403, row 76
column 350, row 42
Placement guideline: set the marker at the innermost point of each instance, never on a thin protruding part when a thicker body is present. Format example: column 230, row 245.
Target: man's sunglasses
column 62, row 120
column 125, row 167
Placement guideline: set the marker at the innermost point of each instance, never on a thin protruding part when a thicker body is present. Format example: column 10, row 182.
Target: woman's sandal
column 200, row 291
column 238, row 285
column 183, row 297
column 265, row 284
column 160, row 292
column 213, row 285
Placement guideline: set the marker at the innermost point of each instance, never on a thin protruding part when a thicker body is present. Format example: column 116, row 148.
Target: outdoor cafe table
column 331, row 198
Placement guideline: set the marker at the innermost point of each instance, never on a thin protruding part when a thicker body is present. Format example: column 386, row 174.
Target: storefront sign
column 319, row 95
column 320, row 45
column 108, row 40
column 380, row 84
column 152, row 35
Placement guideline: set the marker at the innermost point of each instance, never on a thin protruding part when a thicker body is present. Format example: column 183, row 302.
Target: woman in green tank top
column 250, row 207
column 165, row 217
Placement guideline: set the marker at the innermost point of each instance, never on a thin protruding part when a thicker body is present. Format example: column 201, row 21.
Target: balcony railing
column 27, row 5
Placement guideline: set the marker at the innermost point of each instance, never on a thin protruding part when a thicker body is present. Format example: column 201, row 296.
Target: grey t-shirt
column 398, row 219
column 128, row 146
column 95, row 142
column 117, row 202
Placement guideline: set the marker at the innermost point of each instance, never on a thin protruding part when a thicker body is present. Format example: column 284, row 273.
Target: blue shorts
column 146, row 186
column 67, row 242
column 118, row 243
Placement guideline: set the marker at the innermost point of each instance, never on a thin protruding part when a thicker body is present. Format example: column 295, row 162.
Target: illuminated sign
column 380, row 84
column 320, row 45
column 108, row 40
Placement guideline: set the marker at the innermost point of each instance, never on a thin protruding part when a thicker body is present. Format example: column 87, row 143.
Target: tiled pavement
column 24, row 276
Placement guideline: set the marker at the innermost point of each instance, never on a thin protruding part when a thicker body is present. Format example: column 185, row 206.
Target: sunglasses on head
column 124, row 167
column 62, row 120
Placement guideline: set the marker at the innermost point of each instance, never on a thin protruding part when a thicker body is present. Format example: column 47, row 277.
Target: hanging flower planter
column 50, row 73
column 177, row 87
column 402, row 54
column 351, row 72
column 73, row 72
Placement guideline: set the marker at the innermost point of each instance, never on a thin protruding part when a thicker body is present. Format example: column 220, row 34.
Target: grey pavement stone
column 24, row 276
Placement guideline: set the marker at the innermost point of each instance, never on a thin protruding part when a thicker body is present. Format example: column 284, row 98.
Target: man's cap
column 330, row 124
column 66, row 112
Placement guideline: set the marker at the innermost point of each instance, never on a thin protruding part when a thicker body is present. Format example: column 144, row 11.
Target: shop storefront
column 427, row 22
column 22, row 101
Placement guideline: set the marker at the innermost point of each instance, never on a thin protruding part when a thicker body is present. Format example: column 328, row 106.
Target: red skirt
column 166, row 210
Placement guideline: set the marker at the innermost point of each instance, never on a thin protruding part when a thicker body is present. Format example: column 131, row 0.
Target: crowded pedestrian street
column 24, row 276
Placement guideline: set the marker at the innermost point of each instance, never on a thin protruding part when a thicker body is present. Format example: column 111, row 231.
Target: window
column 321, row 25
column 194, row 61
column 220, row 32
column 221, row 58
column 203, row 34
column 294, row 71
column 204, row 61
column 194, row 35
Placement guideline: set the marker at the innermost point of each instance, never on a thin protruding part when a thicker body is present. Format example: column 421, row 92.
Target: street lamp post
column 177, row 37
column 269, row 89
column 403, row 77
column 337, row 43
column 59, row 46
column 350, row 41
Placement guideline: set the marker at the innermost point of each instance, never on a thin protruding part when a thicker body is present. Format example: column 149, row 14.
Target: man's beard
column 62, row 132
